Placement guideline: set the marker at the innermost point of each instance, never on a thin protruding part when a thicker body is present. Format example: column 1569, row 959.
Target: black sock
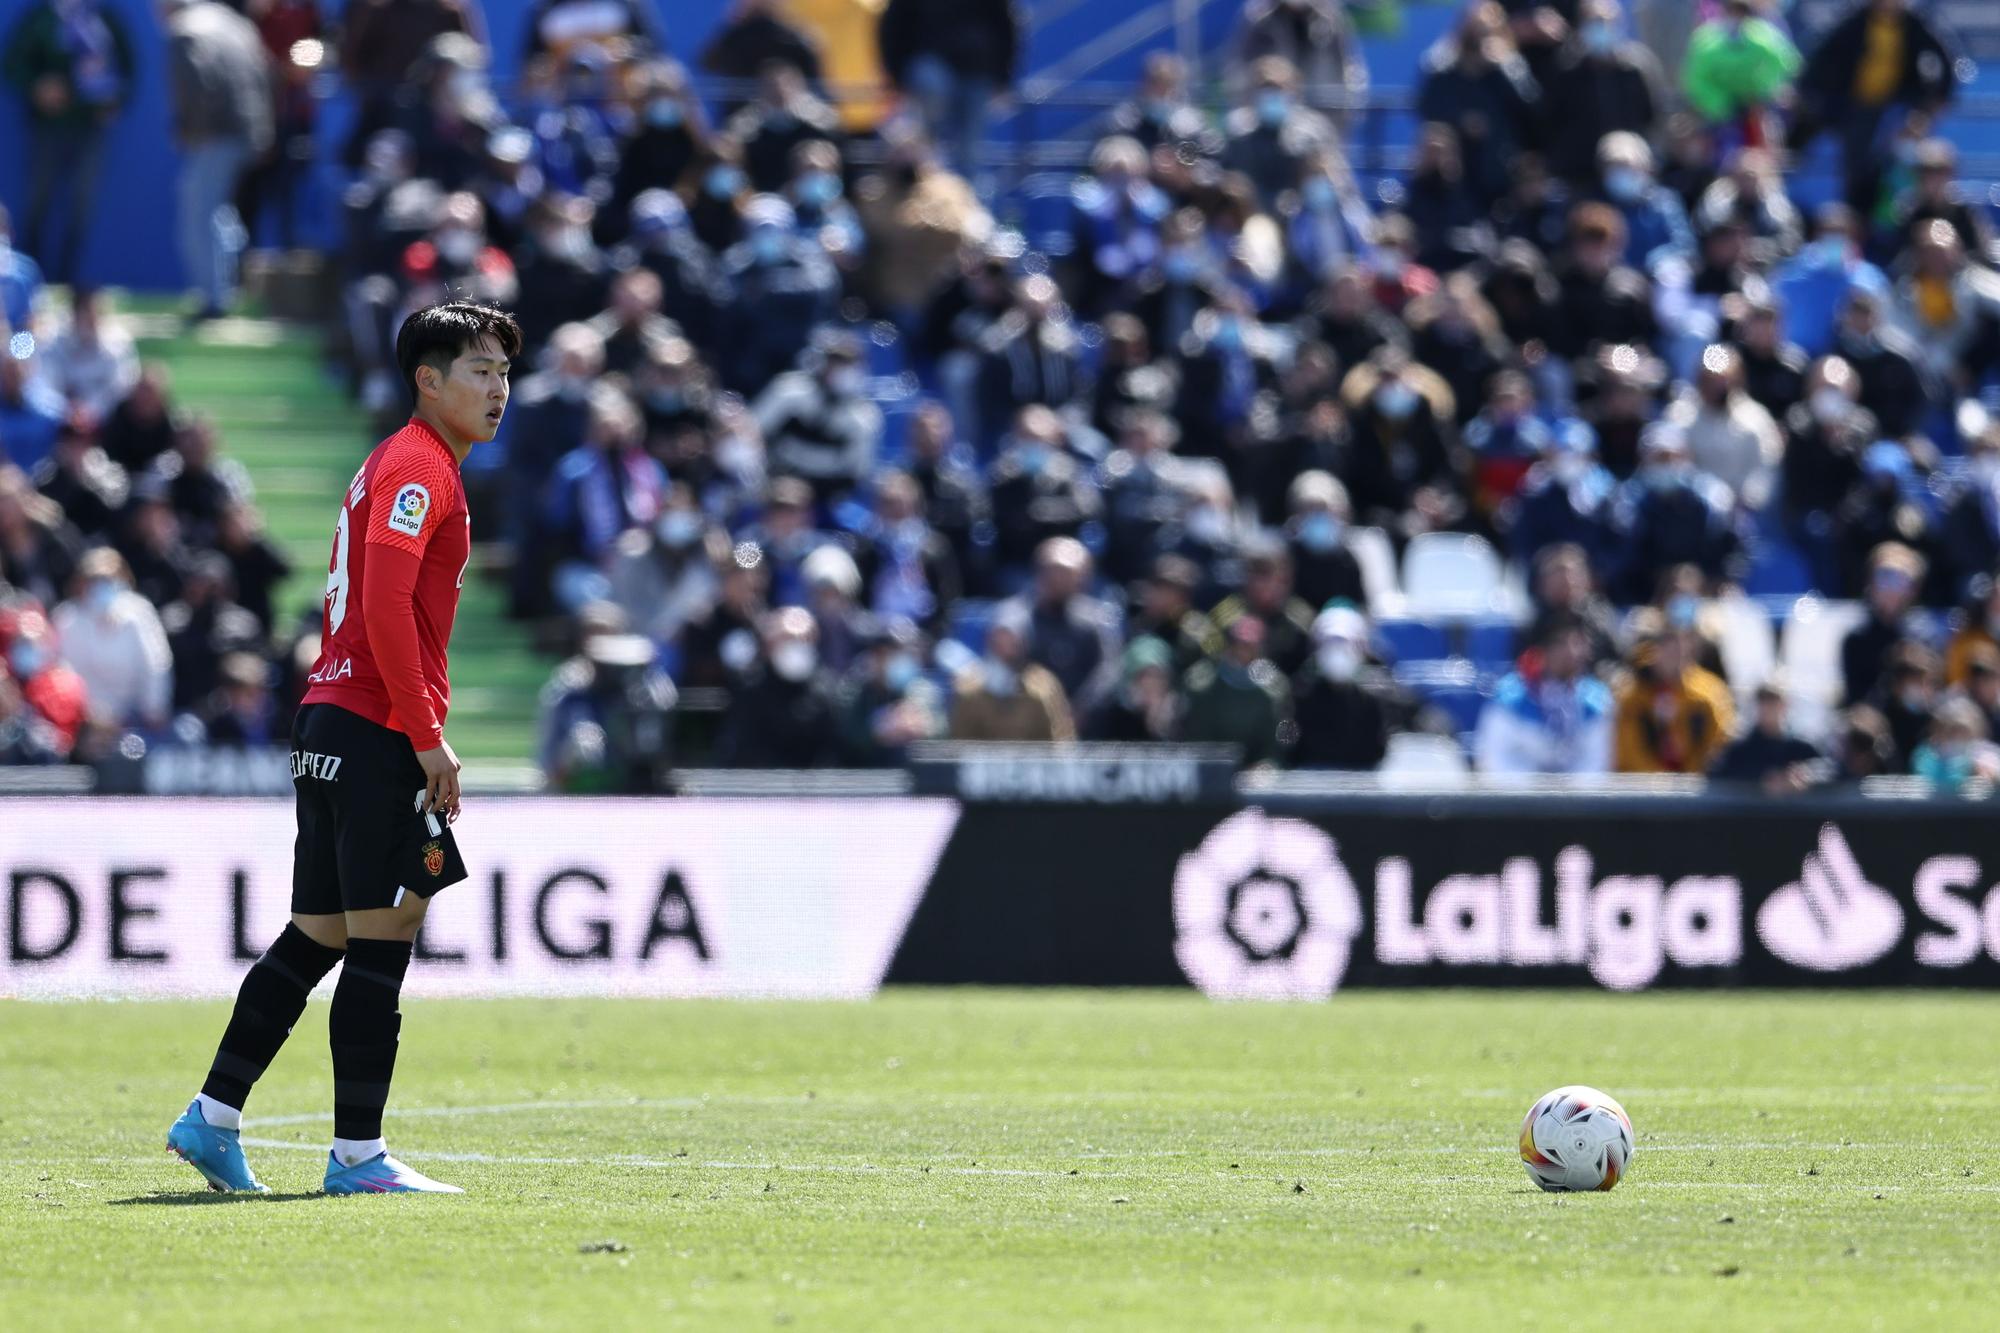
column 272, row 997
column 363, row 1029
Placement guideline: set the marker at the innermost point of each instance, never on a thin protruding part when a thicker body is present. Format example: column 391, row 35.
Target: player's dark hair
column 438, row 335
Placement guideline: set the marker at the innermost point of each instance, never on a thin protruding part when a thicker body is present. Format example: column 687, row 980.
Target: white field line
column 683, row 1163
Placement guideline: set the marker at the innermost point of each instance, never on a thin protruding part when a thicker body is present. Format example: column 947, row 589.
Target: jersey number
column 336, row 577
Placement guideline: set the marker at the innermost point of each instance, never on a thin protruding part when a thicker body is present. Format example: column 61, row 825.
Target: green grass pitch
column 983, row 1160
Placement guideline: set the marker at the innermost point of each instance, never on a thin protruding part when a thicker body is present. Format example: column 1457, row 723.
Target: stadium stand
column 1047, row 367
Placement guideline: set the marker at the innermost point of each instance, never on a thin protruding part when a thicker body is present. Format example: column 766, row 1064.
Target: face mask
column 1159, row 110
column 1600, row 38
column 767, row 246
column 794, row 660
column 1858, row 342
column 679, row 528
column 1570, row 468
column 664, row 113
column 846, row 381
column 572, row 388
column 1339, row 661
column 1034, row 457
column 463, row 86
column 1666, row 476
column 1624, row 183
column 1390, row 264
column 1181, row 265
column 1682, row 611
column 1827, row 251
column 1318, row 193
column 1001, row 679
column 27, row 658
column 1397, row 400
column 1319, row 532
column 1828, row 405
column 1273, row 106
column 1206, row 523
column 666, row 401
column 900, row 673
column 458, row 247
column 1986, row 469
column 1914, row 699
column 1228, row 334
column 819, row 187
column 723, row 182
column 568, row 243
column 101, row 596
column 779, row 120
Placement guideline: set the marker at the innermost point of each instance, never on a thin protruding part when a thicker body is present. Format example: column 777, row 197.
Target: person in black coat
column 1838, row 92
column 1670, row 514
column 1475, row 82
column 1038, row 491
column 953, row 57
column 784, row 286
column 1323, row 567
column 1601, row 300
column 670, row 135
column 770, row 129
column 1346, row 706
column 1895, row 576
column 755, row 35
column 660, row 240
column 907, row 567
column 786, row 713
column 1768, row 756
column 1893, row 384
column 955, row 501
column 1161, row 112
column 1145, row 708
column 1774, row 371
column 1598, row 83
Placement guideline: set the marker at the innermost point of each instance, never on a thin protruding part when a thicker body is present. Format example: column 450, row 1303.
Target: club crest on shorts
column 407, row 512
column 434, row 858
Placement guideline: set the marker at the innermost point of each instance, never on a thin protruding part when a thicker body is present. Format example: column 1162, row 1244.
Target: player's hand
column 441, row 791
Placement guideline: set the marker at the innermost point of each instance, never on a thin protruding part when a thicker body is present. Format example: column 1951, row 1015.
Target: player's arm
column 397, row 540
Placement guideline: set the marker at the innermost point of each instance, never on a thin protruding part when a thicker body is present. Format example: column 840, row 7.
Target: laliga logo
column 1264, row 909
column 413, row 502
column 1833, row 918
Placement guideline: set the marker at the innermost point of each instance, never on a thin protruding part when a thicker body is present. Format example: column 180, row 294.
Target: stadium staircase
column 281, row 414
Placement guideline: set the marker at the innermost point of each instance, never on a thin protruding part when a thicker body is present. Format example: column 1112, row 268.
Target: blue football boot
column 216, row 1153
column 381, row 1174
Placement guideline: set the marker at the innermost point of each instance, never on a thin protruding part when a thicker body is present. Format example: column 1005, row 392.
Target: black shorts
column 362, row 841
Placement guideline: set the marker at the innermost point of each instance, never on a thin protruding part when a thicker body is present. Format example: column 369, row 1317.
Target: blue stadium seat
column 1777, row 569
column 969, row 621
column 1453, row 686
column 1490, row 644
column 1412, row 640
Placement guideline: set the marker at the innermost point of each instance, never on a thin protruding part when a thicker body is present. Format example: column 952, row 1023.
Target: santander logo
column 1832, row 918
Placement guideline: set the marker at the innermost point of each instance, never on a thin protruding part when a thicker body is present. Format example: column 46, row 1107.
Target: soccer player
column 375, row 782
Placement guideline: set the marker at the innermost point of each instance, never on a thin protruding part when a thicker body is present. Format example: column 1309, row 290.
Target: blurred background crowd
column 828, row 440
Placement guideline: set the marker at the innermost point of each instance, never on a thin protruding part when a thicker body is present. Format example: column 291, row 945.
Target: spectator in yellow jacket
column 1673, row 717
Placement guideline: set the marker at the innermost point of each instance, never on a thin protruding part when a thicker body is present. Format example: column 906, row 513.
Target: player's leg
column 392, row 859
column 268, row 1003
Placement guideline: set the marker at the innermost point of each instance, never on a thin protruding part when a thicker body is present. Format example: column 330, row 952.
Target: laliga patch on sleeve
column 408, row 510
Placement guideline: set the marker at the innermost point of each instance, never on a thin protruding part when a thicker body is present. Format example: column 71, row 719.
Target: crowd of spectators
column 794, row 400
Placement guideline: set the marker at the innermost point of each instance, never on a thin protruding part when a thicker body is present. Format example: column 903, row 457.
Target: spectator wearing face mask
column 1906, row 696
column 1007, row 697
column 1505, row 439
column 1824, row 436
column 1670, row 514
column 1894, row 386
column 1070, row 633
column 1315, row 37
column 785, row 714
column 1602, row 301
column 1894, row 501
column 917, row 216
column 1400, row 412
column 112, row 637
column 1229, row 377
column 1656, row 225
column 1211, row 533
column 1039, row 491
column 204, row 628
column 771, row 129
column 39, row 549
column 92, row 362
column 1813, row 286
column 1242, row 699
column 1566, row 499
column 887, row 704
column 818, row 423
column 1958, row 757
column 1729, row 434
column 78, row 477
column 952, row 59
column 1347, row 706
column 1162, row 114
column 632, row 324
column 1272, row 134
column 1343, row 315
column 1324, row 569
column 833, row 595
column 753, row 35
column 1774, row 371
column 1895, row 575
column 819, row 203
column 559, row 270
column 1751, row 193
column 1452, row 225
column 907, row 569
column 1936, row 196
column 670, row 133
column 1950, row 308
column 787, row 535
column 785, row 288
column 662, row 577
column 1600, row 81
column 718, row 645
column 1115, row 217
column 1030, row 356
column 43, row 702
column 660, row 241
column 1267, row 597
column 601, row 488
column 1145, row 708
column 954, row 497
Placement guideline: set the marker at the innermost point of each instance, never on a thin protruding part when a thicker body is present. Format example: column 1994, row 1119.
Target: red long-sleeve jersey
column 400, row 548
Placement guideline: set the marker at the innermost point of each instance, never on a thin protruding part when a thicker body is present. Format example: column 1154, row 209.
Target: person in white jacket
column 1728, row 432
column 111, row 637
column 1550, row 715
column 92, row 363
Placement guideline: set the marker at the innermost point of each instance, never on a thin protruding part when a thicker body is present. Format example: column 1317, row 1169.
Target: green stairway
column 280, row 413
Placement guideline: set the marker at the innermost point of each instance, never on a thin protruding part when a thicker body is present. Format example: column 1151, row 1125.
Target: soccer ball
column 1576, row 1139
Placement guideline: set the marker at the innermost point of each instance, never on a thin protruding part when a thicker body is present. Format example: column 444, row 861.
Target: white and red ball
column 1576, row 1139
